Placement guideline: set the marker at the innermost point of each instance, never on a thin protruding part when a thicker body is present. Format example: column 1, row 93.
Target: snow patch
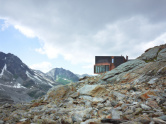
column 18, row 85
column 15, row 86
column 29, row 75
column 38, row 78
column 4, row 68
column 51, row 82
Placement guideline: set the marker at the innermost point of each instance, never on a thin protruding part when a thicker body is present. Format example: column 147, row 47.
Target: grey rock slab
column 74, row 95
column 88, row 104
column 107, row 103
column 159, row 121
column 152, row 122
column 152, row 81
column 123, row 68
column 116, row 114
column 99, row 105
column 131, row 122
column 162, row 55
column 92, row 99
column 101, row 82
column 137, row 111
column 90, row 121
column 118, row 95
column 162, row 117
column 135, row 103
column 162, row 71
column 128, row 111
column 79, row 116
column 114, row 103
column 145, row 107
column 1, row 122
column 150, row 54
column 86, row 89
column 23, row 119
column 96, row 99
column 86, row 97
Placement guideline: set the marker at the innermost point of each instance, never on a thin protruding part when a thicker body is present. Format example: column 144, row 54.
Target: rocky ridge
column 132, row 93
column 19, row 83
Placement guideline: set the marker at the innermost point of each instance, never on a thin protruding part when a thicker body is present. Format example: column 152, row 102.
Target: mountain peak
column 15, row 75
column 62, row 75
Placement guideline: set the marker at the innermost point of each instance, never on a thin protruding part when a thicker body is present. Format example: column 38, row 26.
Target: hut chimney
column 126, row 58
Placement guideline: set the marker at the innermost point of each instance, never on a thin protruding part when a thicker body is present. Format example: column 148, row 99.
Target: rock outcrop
column 132, row 93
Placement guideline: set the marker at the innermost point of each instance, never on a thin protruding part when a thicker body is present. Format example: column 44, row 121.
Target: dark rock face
column 62, row 76
column 14, row 65
column 20, row 83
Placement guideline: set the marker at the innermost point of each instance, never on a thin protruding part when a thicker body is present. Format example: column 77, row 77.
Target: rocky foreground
column 132, row 93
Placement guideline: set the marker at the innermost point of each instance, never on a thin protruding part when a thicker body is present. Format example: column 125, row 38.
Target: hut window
column 112, row 60
column 101, row 68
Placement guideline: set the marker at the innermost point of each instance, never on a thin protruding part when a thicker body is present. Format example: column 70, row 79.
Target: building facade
column 107, row 63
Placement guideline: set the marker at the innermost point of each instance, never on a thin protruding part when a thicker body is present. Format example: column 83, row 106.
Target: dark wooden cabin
column 107, row 63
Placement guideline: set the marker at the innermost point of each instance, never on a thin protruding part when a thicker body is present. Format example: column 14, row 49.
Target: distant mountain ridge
column 20, row 83
column 83, row 75
column 62, row 76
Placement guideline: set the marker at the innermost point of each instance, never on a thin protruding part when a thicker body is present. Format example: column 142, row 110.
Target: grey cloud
column 85, row 28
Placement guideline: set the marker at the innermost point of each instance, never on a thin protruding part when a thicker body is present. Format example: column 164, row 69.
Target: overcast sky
column 46, row 34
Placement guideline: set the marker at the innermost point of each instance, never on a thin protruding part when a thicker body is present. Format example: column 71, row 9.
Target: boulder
column 152, row 104
column 152, row 81
column 92, row 90
column 116, row 114
column 150, row 54
column 144, row 119
column 1, row 122
column 162, row 117
column 158, row 121
column 79, row 116
column 147, row 95
column 162, row 71
column 58, row 93
column 145, row 107
column 162, row 55
column 85, row 97
column 118, row 95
